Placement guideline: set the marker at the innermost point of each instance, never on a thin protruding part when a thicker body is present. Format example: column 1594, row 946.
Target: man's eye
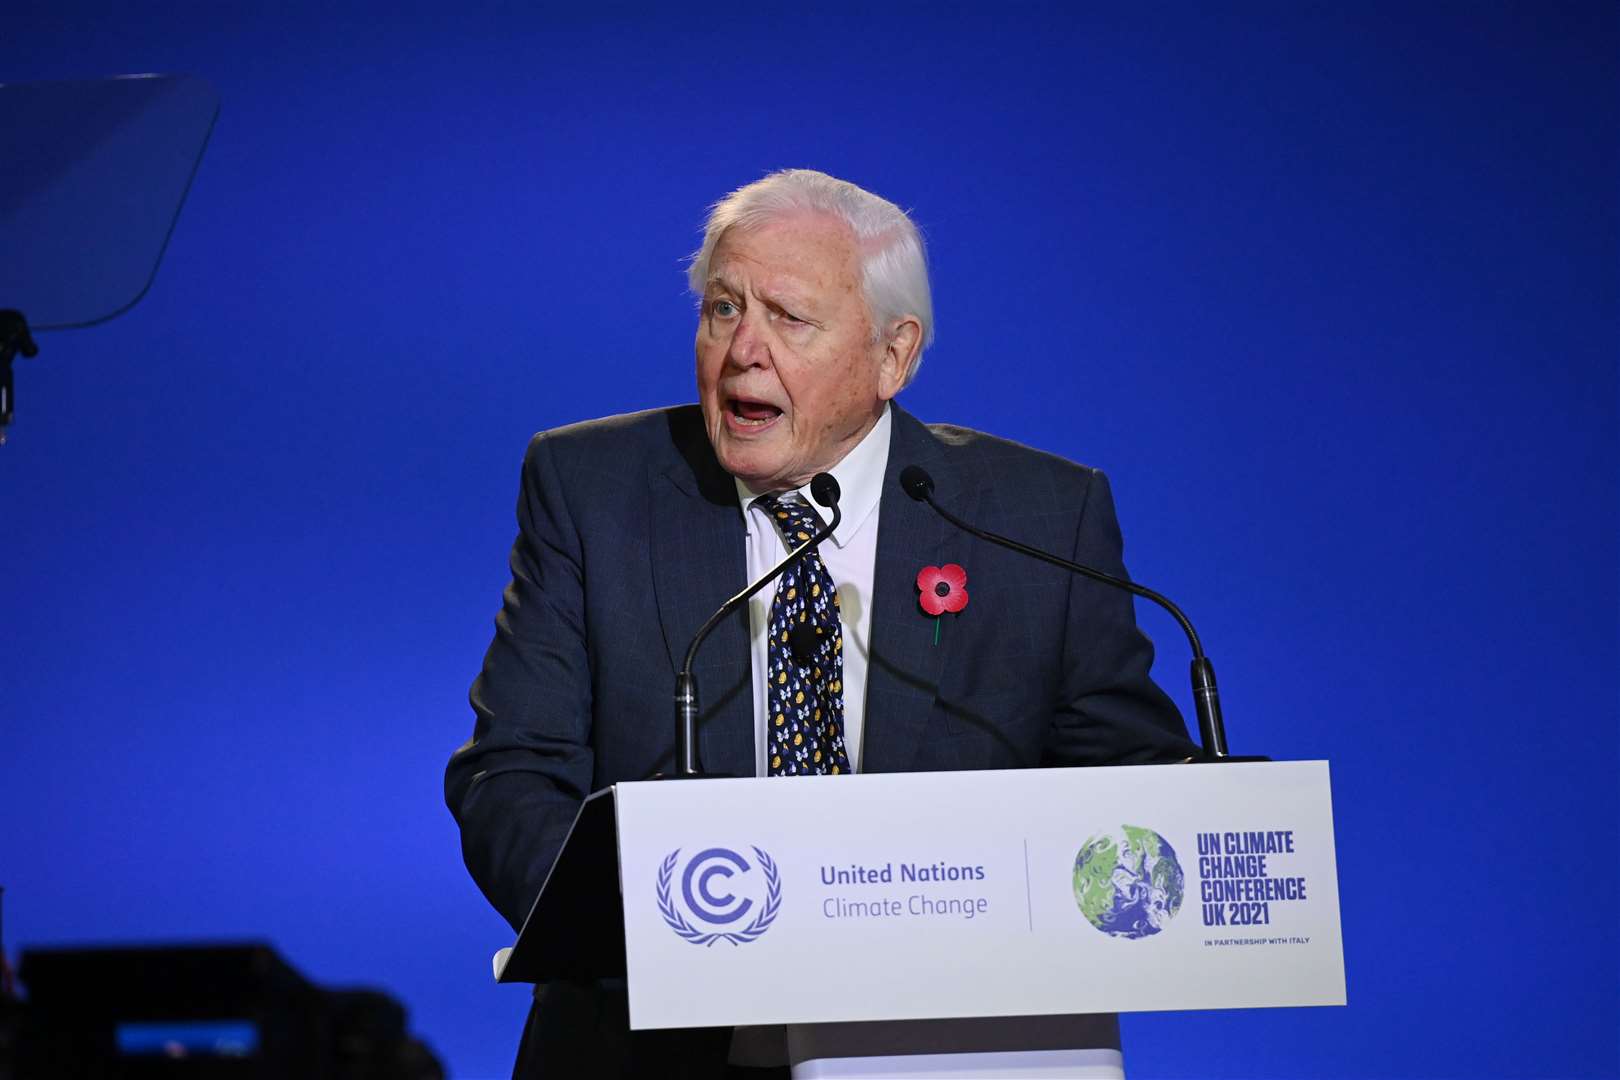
column 724, row 309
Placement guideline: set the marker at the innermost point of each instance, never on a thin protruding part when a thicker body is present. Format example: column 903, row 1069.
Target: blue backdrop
column 1331, row 292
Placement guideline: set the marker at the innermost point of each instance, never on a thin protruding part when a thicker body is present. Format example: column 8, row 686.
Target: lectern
column 948, row 895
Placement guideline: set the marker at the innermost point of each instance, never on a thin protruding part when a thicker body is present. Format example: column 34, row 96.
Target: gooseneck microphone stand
column 824, row 489
column 1206, row 698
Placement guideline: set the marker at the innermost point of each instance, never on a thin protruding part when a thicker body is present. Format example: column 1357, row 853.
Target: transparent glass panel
column 95, row 174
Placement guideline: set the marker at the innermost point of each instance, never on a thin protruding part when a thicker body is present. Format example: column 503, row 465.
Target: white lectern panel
column 908, row 896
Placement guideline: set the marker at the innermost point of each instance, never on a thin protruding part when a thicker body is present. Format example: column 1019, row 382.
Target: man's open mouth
column 748, row 413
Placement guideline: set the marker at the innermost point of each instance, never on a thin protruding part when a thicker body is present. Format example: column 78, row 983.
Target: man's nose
column 750, row 344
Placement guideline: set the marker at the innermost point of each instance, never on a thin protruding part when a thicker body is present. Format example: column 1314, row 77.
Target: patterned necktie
column 805, row 655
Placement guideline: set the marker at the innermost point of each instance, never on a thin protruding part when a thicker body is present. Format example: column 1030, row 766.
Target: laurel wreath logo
column 762, row 922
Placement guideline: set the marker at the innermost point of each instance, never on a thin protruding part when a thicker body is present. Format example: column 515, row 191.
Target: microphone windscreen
column 824, row 489
column 918, row 484
column 802, row 642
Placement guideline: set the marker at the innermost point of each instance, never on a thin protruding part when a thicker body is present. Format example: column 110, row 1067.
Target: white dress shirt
column 849, row 555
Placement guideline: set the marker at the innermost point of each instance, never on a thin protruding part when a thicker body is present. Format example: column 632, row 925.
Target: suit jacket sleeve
column 516, row 785
column 1109, row 711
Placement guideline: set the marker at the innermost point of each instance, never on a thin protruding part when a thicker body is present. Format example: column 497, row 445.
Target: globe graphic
column 1128, row 883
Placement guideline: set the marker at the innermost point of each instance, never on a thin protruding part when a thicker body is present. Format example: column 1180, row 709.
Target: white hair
column 894, row 263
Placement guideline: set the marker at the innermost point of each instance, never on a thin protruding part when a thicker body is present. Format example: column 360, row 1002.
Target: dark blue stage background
column 1330, row 292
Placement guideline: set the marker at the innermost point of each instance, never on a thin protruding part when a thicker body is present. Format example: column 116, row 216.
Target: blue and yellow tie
column 805, row 657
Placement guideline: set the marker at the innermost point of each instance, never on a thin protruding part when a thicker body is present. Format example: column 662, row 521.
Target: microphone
column 802, row 642
column 824, row 489
column 1206, row 698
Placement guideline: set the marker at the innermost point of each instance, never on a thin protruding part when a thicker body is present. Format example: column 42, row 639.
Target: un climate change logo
column 1128, row 883
column 711, row 902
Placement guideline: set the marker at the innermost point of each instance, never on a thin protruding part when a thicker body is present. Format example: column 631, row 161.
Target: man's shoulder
column 654, row 439
column 650, row 430
column 984, row 460
column 597, row 462
column 969, row 445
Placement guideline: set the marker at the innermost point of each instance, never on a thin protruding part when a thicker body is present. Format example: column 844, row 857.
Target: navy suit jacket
column 631, row 536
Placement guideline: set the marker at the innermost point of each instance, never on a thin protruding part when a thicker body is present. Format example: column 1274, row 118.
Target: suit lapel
column 696, row 544
column 904, row 668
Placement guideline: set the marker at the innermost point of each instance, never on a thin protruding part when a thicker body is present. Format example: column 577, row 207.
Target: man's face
column 788, row 374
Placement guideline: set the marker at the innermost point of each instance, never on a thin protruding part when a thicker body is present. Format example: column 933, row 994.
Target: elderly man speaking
column 814, row 314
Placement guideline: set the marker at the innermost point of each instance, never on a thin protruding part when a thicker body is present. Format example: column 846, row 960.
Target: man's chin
column 758, row 469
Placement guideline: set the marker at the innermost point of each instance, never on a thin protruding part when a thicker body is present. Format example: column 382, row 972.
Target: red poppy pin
column 942, row 589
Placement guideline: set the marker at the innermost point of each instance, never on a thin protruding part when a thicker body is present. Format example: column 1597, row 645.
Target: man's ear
column 900, row 346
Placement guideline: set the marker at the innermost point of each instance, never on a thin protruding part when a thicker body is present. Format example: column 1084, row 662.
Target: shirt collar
column 860, row 481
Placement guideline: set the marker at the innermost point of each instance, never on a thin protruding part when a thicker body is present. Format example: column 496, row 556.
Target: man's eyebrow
column 786, row 299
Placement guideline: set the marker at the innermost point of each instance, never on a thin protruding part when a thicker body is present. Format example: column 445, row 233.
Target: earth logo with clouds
column 1128, row 883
